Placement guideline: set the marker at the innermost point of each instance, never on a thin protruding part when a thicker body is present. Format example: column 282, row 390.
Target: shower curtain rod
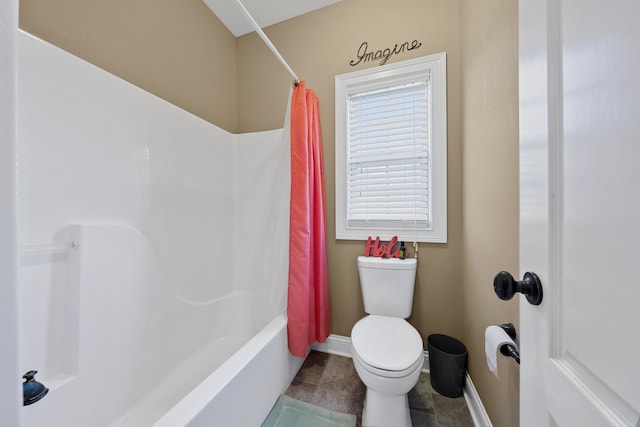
column 266, row 40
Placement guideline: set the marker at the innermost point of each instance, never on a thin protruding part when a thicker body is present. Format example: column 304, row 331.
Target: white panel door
column 580, row 211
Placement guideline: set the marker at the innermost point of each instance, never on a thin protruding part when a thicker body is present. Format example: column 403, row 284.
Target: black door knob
column 505, row 287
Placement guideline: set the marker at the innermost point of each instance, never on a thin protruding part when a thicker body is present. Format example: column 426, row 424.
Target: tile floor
column 331, row 382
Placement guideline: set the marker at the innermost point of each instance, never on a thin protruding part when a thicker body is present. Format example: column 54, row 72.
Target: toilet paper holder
column 508, row 349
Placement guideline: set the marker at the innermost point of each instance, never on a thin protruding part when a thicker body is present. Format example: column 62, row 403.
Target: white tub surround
column 134, row 289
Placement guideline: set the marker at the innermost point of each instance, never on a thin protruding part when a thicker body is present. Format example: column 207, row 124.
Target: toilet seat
column 388, row 346
column 383, row 373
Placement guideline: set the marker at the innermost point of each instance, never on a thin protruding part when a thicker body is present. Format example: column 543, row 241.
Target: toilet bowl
column 388, row 356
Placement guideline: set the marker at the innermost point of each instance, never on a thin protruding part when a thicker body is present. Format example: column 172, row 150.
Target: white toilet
column 387, row 351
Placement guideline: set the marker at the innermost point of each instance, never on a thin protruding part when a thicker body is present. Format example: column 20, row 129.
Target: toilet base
column 384, row 410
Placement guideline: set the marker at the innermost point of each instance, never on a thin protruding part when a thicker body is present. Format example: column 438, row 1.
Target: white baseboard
column 476, row 408
column 341, row 346
column 336, row 344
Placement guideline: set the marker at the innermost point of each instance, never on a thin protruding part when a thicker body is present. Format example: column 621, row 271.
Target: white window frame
column 434, row 67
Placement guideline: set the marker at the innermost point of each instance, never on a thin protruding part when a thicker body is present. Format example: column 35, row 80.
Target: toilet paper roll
column 494, row 338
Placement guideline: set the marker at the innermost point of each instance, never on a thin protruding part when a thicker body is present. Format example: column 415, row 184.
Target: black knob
column 506, row 287
column 30, row 375
column 32, row 390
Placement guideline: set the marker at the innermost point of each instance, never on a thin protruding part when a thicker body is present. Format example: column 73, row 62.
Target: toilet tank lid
column 387, row 263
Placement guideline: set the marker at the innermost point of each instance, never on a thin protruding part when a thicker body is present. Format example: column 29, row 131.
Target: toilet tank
column 387, row 285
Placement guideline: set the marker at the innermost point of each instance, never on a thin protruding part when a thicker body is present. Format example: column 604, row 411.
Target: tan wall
column 178, row 50
column 490, row 190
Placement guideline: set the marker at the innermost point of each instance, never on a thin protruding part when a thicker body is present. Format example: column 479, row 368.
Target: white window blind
column 389, row 156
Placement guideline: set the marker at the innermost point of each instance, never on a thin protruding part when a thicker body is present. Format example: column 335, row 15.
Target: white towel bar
column 47, row 248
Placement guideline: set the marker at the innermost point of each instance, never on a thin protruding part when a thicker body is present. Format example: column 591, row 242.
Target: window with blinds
column 388, row 156
column 391, row 151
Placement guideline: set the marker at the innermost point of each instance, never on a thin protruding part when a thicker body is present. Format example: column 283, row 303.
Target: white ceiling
column 265, row 12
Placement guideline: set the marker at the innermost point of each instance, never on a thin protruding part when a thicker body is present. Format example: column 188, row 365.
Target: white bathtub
column 154, row 260
column 242, row 391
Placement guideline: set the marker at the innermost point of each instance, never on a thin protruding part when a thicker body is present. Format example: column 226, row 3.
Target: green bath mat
column 289, row 412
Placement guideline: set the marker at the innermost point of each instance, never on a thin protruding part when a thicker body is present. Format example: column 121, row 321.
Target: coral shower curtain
column 308, row 297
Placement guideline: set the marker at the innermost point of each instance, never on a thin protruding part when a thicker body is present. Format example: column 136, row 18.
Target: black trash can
column 447, row 364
